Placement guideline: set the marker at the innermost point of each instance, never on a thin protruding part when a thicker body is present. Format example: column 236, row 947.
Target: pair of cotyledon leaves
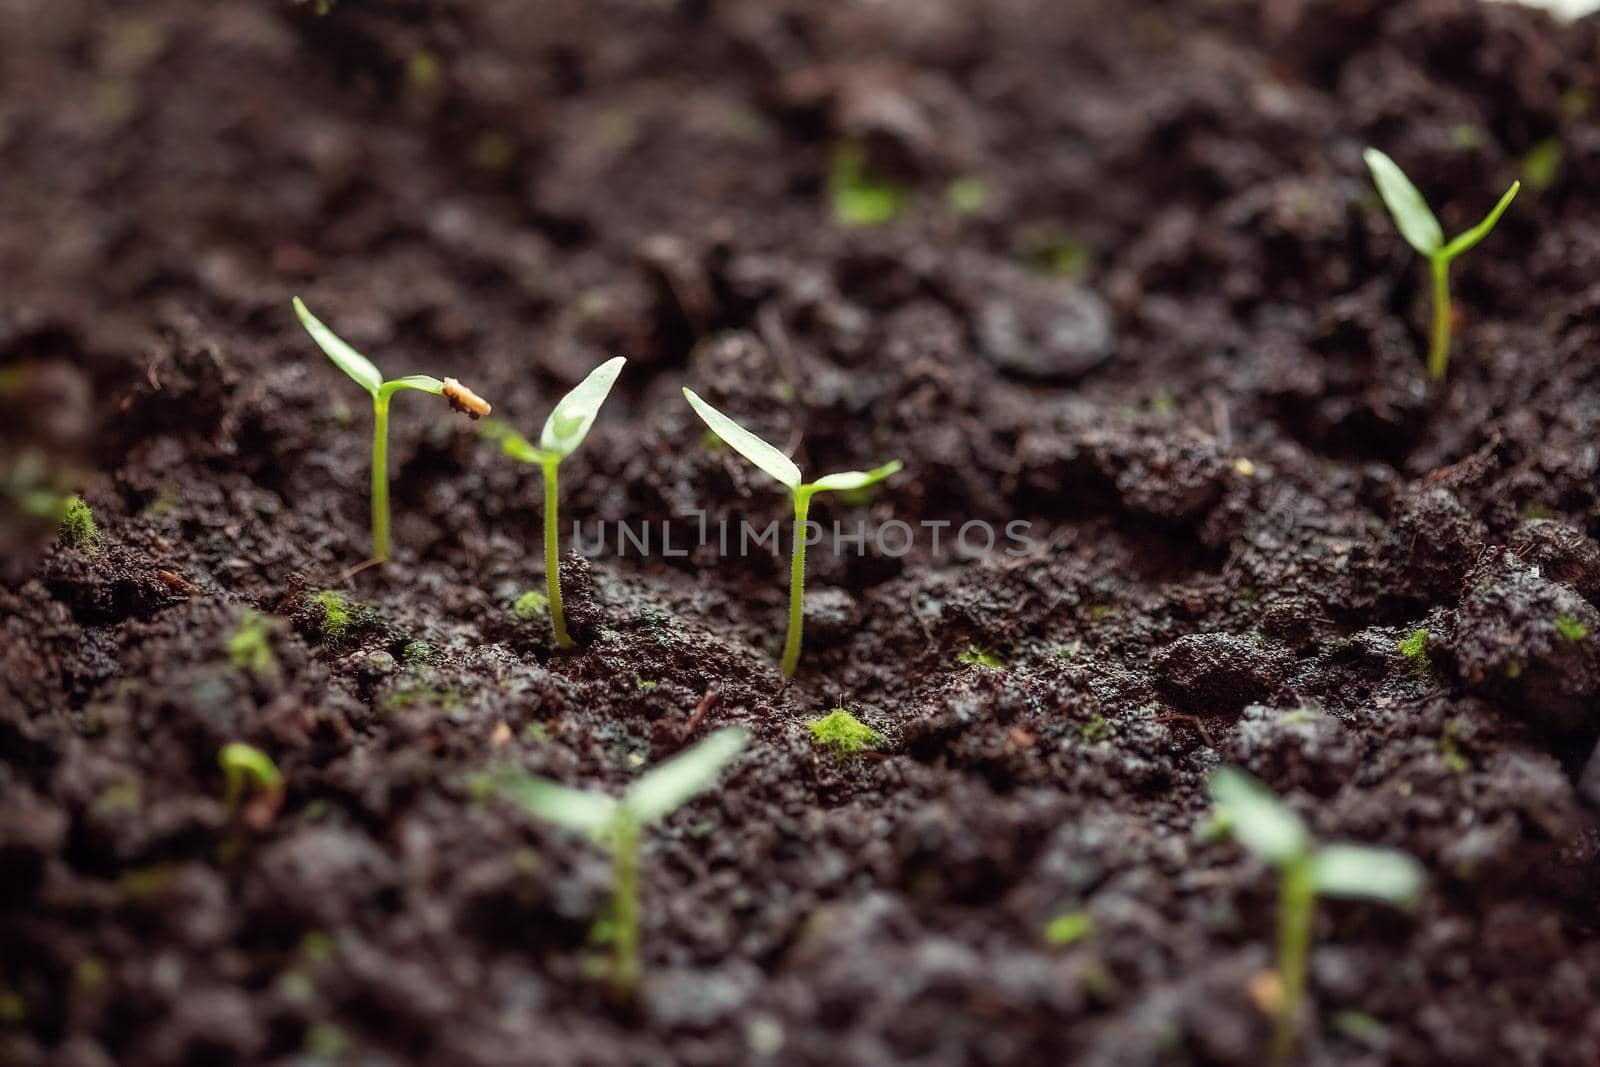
column 777, row 464
column 361, row 369
column 1270, row 829
column 1416, row 220
column 652, row 797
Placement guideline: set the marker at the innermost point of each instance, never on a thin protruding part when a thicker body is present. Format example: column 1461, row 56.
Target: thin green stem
column 1296, row 902
column 625, row 905
column 380, row 475
column 1439, row 348
column 797, row 584
column 552, row 554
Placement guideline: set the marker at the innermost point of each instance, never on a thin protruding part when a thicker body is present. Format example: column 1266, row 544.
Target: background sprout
column 244, row 764
column 1268, row 828
column 366, row 375
column 782, row 468
column 620, row 823
column 563, row 432
column 1422, row 232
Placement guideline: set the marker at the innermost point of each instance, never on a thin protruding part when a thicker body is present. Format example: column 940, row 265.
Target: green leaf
column 420, row 382
column 573, row 809
column 1370, row 873
column 1411, row 213
column 347, row 359
column 666, row 787
column 1258, row 820
column 857, row 479
column 1481, row 230
column 746, row 443
column 569, row 423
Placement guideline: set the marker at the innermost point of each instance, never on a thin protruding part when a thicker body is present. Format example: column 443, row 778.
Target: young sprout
column 1267, row 827
column 782, row 468
column 1422, row 232
column 244, row 764
column 620, row 823
column 563, row 432
column 366, row 375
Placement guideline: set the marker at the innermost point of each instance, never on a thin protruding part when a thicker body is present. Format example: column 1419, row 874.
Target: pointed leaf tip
column 745, row 443
column 669, row 785
column 1368, row 873
column 858, row 479
column 1411, row 212
column 1259, row 821
column 358, row 367
column 574, row 414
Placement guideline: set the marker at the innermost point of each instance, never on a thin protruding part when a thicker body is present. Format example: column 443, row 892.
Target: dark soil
column 1178, row 335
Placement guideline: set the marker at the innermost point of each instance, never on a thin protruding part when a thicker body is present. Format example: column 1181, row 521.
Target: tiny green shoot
column 365, row 374
column 243, row 765
column 1270, row 829
column 859, row 197
column 621, row 822
column 973, row 656
column 250, row 646
column 843, row 733
column 77, row 528
column 1571, row 629
column 1068, row 927
column 563, row 432
column 1421, row 230
column 781, row 467
column 530, row 605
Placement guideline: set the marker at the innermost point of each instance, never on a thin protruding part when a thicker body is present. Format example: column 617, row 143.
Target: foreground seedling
column 563, row 432
column 366, row 375
column 782, row 468
column 1421, row 230
column 620, row 823
column 1268, row 828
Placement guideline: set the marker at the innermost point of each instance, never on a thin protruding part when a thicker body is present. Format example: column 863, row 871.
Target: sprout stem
column 380, row 474
column 797, row 583
column 1439, row 349
column 552, row 554
column 625, row 904
column 1297, row 899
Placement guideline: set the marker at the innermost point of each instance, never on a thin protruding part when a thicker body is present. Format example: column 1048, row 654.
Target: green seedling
column 563, row 432
column 530, row 605
column 1270, row 829
column 843, row 733
column 1571, row 628
column 77, row 528
column 250, row 647
column 366, row 375
column 1421, row 230
column 973, row 656
column 620, row 823
column 861, row 198
column 782, row 468
column 1067, row 928
column 243, row 765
